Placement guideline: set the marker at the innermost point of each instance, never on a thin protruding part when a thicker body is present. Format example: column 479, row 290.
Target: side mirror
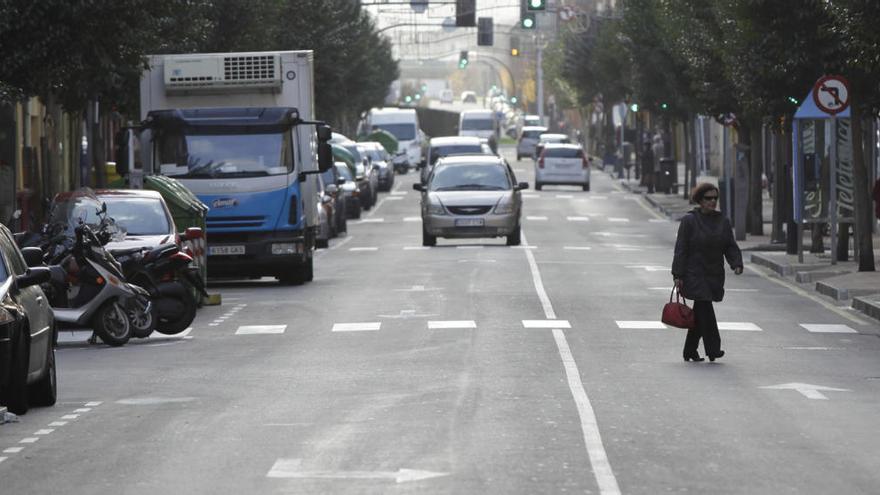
column 33, row 256
column 193, row 233
column 325, row 151
column 522, row 185
column 34, row 276
column 418, row 187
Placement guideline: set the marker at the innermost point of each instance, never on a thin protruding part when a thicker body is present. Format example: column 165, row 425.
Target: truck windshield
column 224, row 155
column 403, row 132
column 477, row 125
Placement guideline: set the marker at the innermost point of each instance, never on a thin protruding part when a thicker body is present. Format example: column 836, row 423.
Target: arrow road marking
column 807, row 390
column 290, row 468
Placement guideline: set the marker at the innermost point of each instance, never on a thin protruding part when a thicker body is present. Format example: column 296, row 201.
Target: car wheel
column 16, row 394
column 342, row 225
column 587, row 186
column 538, row 186
column 514, row 238
column 321, row 243
column 45, row 392
column 428, row 239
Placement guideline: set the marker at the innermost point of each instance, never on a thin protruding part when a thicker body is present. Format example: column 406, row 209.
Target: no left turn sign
column 831, row 94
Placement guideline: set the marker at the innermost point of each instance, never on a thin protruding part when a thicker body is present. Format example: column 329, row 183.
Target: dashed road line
column 537, row 218
column 618, row 219
column 822, row 328
column 640, row 325
column 577, row 248
column 260, row 329
column 366, row 248
column 578, row 219
column 437, row 325
column 550, row 323
column 357, row 327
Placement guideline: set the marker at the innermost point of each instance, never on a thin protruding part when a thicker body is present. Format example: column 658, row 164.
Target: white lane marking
column 93, row 404
column 577, row 248
column 412, row 219
column 416, row 248
column 58, row 423
column 578, row 219
column 648, row 268
column 818, row 328
column 260, row 329
column 807, row 390
column 536, row 218
column 357, row 327
column 739, row 326
column 371, row 220
column 437, row 325
column 807, row 348
column 617, row 234
column 70, row 416
column 549, row 323
column 44, row 431
column 523, row 247
column 393, row 198
column 797, row 290
column 476, row 261
column 590, row 426
column 399, row 193
column 151, row 401
column 370, row 248
column 292, row 468
column 13, row 450
column 530, row 196
column 598, row 197
column 564, row 196
column 29, row 440
column 658, row 220
column 339, row 244
column 627, row 248
column 618, row 219
column 539, row 284
column 2, row 459
column 82, row 410
column 634, row 324
column 469, row 247
column 177, row 336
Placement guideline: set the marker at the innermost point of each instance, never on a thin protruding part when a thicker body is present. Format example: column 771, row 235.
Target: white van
column 479, row 123
column 403, row 123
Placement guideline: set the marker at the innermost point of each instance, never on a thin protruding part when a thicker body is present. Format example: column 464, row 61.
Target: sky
column 502, row 12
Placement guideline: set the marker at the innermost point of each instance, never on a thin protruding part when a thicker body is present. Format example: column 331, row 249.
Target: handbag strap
column 678, row 297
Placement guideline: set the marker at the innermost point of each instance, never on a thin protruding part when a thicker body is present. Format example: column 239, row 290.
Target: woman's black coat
column 704, row 240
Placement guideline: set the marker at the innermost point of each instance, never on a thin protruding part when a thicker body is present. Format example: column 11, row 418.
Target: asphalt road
column 470, row 367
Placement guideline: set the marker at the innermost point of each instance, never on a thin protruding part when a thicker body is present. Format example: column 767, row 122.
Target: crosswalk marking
column 437, row 325
column 416, row 248
column 822, row 328
column 363, row 249
column 536, row 218
column 640, row 324
column 546, row 324
column 469, row 247
column 618, row 219
column 13, row 450
column 357, row 327
column 577, row 248
column 412, row 219
column 739, row 326
column 392, row 198
column 260, row 329
column 524, row 247
column 578, row 219
column 658, row 220
column 371, row 220
column 530, row 196
column 564, row 196
column 399, row 193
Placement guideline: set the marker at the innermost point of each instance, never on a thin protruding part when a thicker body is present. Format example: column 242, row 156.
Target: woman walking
column 704, row 239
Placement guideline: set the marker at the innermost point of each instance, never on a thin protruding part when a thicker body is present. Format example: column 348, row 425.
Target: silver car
column 528, row 139
column 470, row 197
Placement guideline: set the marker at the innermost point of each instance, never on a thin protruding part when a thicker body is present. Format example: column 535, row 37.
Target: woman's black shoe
column 713, row 357
column 693, row 357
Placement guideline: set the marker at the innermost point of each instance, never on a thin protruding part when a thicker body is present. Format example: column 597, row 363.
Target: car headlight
column 504, row 208
column 436, row 209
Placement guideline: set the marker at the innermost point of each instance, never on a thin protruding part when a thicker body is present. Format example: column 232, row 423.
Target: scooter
column 164, row 273
column 89, row 288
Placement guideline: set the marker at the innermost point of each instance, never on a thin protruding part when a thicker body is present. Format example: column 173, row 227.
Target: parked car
column 27, row 330
column 381, row 160
column 471, row 197
column 528, row 139
column 350, row 190
column 340, row 204
column 468, row 97
column 439, row 147
column 326, row 215
column 562, row 164
column 362, row 175
column 546, row 138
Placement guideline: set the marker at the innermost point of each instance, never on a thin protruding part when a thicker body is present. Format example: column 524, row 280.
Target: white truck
column 237, row 129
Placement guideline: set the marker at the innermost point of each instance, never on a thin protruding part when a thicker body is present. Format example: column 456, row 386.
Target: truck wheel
column 45, row 392
column 111, row 324
column 16, row 393
column 308, row 271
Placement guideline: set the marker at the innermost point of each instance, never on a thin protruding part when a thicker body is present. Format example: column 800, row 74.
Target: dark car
column 27, row 330
column 350, row 191
column 367, row 177
column 333, row 178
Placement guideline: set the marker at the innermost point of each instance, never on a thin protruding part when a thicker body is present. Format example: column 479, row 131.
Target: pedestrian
column 705, row 238
column 648, row 165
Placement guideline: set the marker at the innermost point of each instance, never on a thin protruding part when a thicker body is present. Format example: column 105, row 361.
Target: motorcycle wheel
column 143, row 323
column 111, row 324
column 183, row 318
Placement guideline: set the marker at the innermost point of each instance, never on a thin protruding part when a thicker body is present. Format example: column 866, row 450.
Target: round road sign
column 831, row 94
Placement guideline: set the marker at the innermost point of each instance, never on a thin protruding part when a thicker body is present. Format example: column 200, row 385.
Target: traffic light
column 514, row 46
column 527, row 21
column 634, row 107
column 484, row 31
column 536, row 4
column 465, row 13
column 463, row 59
column 513, row 100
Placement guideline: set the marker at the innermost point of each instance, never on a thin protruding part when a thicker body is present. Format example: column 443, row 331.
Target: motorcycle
column 88, row 287
column 164, row 272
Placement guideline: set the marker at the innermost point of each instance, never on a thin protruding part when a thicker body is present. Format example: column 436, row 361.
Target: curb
column 779, row 268
column 868, row 305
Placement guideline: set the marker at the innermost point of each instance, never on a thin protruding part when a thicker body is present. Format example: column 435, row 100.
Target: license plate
column 469, row 222
column 225, row 250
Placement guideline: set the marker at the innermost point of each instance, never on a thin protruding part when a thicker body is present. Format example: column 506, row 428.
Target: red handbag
column 677, row 313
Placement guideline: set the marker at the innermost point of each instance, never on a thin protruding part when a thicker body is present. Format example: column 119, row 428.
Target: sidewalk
column 841, row 282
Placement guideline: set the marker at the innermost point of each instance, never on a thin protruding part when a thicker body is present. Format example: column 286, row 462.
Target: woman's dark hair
column 698, row 192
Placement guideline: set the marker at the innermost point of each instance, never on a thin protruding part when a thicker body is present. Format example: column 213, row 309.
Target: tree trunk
column 778, row 186
column 687, row 159
column 756, row 184
column 863, row 228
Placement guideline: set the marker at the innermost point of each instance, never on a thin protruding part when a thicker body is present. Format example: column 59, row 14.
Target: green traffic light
column 537, row 4
column 664, row 106
column 408, row 99
column 528, row 21
column 514, row 99
column 634, row 107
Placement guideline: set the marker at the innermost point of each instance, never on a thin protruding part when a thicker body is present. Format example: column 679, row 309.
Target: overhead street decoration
column 831, row 94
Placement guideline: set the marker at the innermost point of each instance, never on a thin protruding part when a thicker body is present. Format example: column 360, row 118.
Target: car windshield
column 469, row 177
column 455, row 149
column 75, row 210
column 138, row 216
column 403, row 132
column 224, row 155
column 345, row 172
column 477, row 125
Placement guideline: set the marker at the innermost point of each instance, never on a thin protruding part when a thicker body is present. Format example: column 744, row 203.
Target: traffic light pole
column 539, row 71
